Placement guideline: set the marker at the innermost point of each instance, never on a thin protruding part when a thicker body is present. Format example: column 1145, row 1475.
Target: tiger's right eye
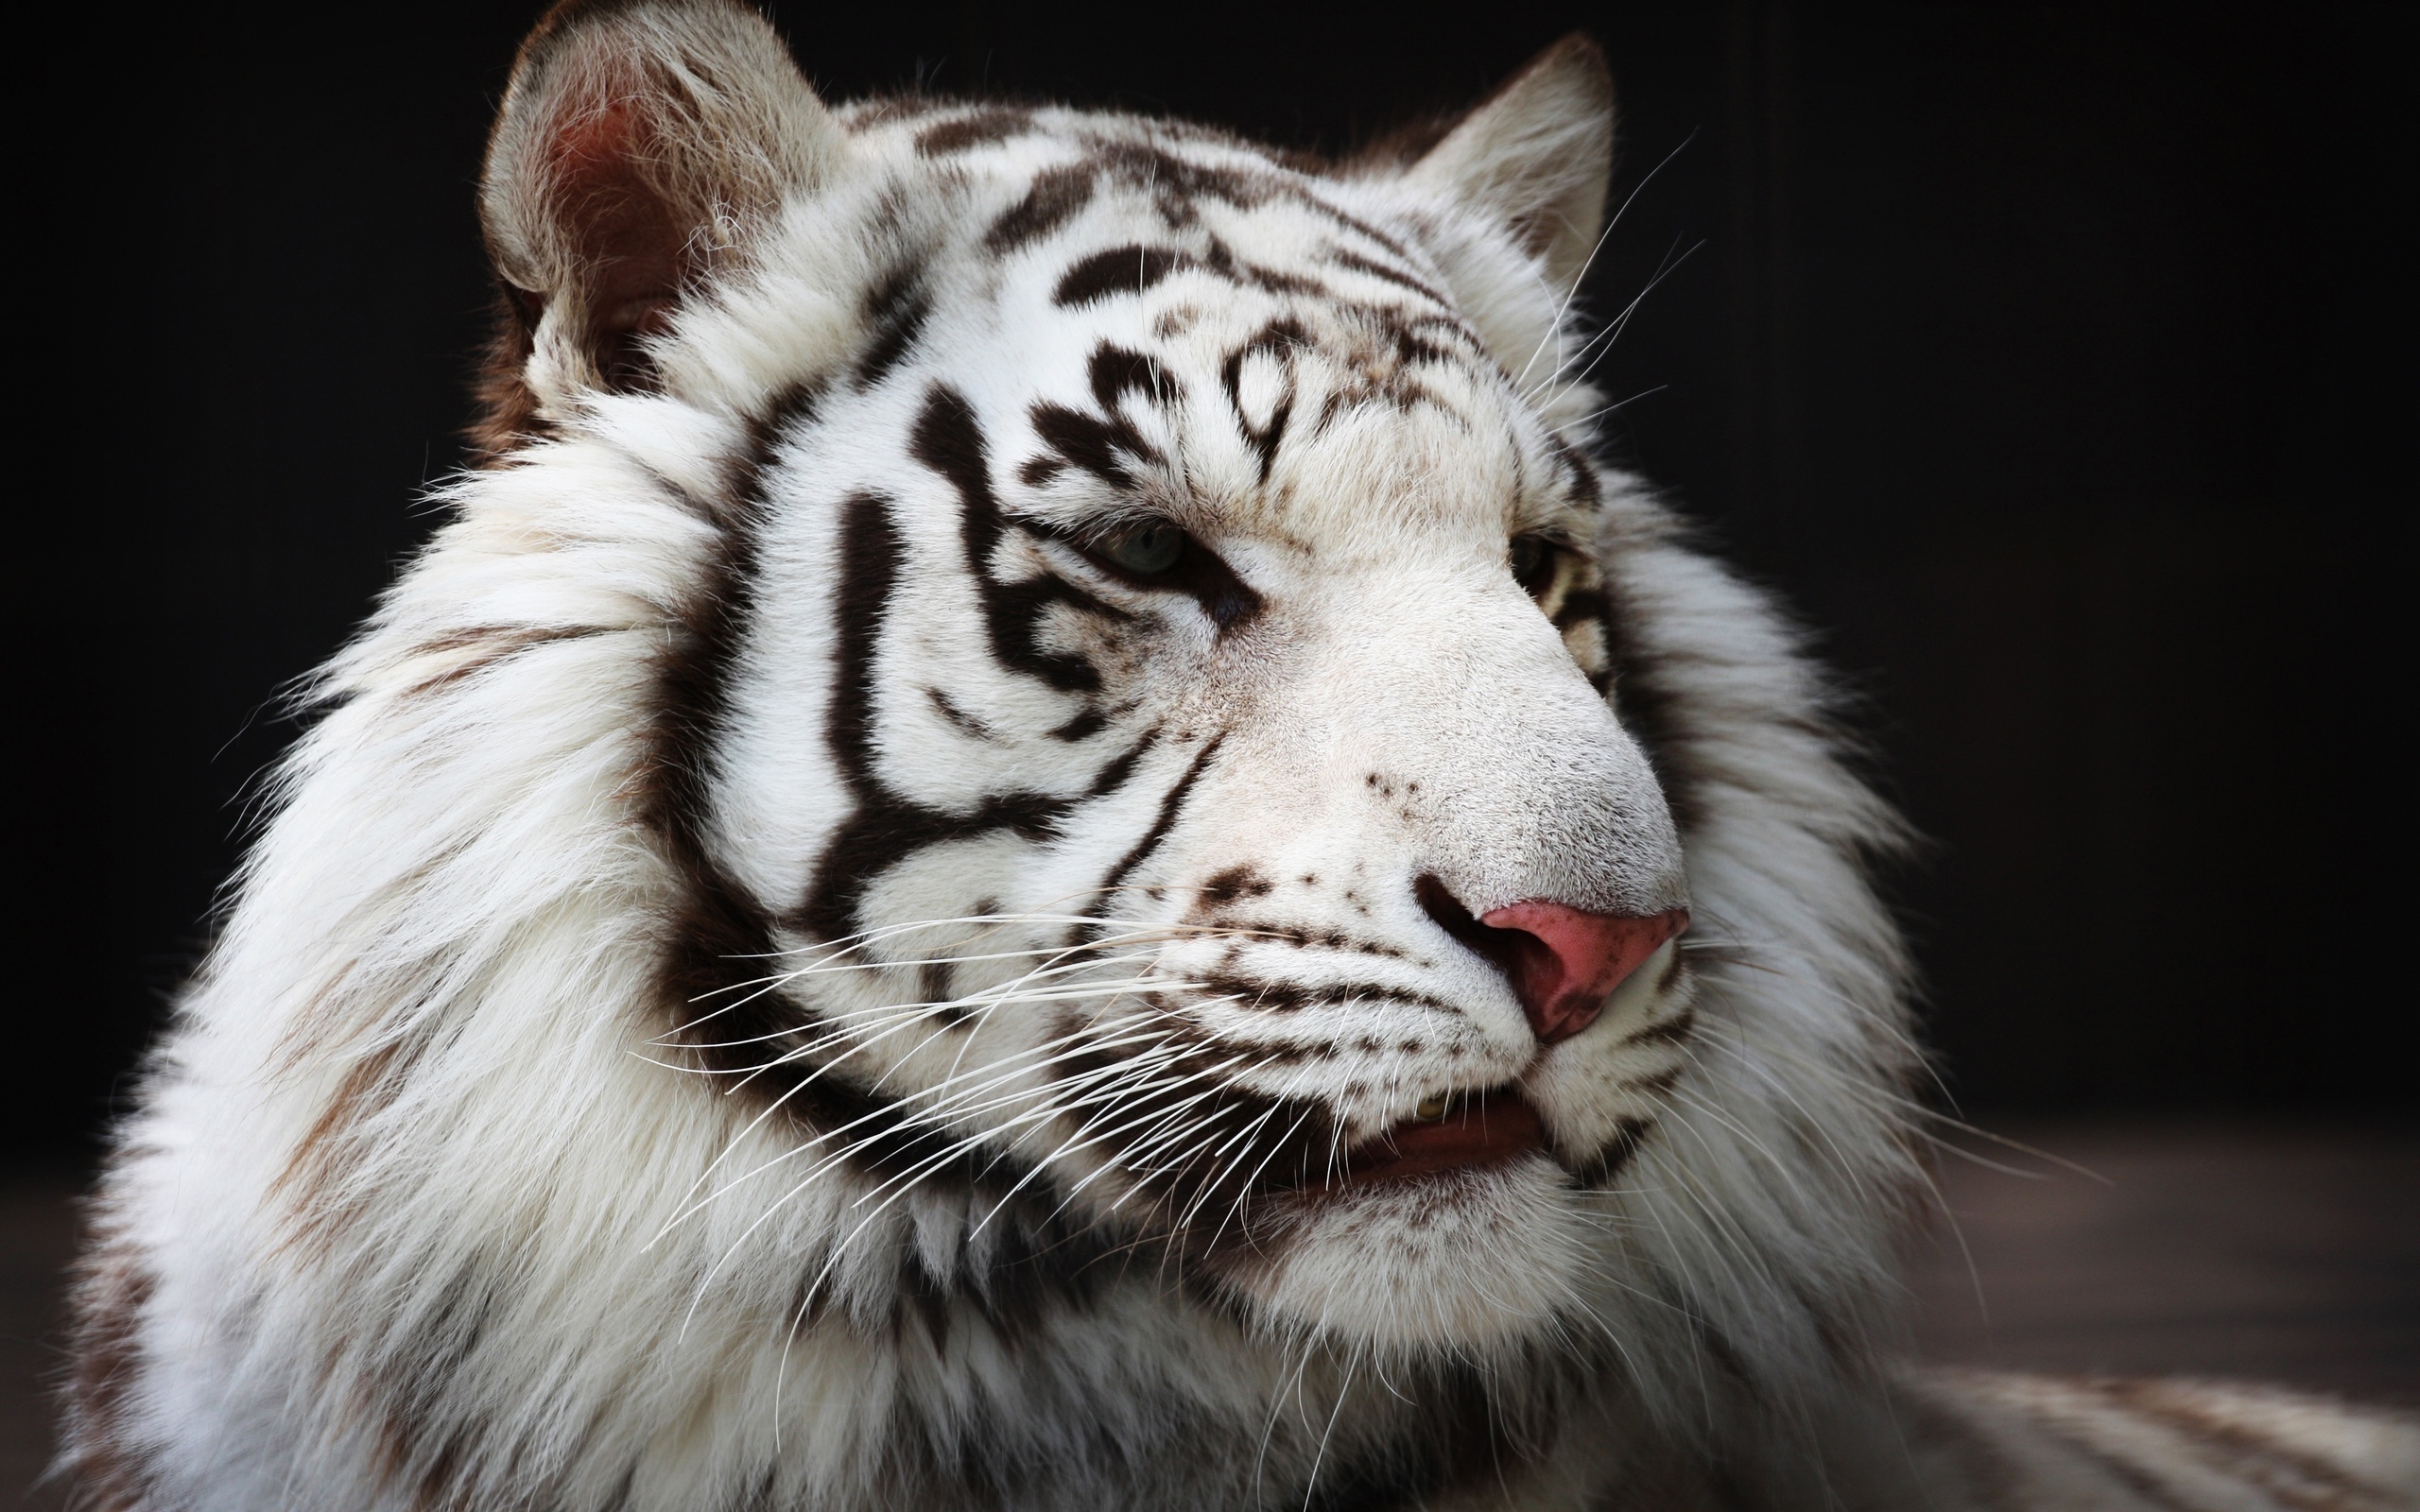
column 1145, row 550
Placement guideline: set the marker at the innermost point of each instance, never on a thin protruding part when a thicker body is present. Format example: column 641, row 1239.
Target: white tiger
column 1040, row 839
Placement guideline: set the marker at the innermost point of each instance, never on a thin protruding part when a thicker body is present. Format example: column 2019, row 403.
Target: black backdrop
column 2052, row 361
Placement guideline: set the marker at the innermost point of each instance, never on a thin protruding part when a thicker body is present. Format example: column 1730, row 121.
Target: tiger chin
column 1040, row 835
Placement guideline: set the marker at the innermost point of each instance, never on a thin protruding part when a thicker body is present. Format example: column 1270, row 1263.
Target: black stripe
column 1235, row 882
column 1629, row 1135
column 1464, row 1440
column 2244, row 1449
column 1134, row 267
column 1129, row 270
column 1056, row 196
column 896, row 312
column 1312, row 937
column 1170, row 805
column 1580, row 605
column 720, row 936
column 1113, row 776
column 726, row 1017
column 870, row 555
column 1287, row 997
column 885, row 827
column 1176, row 183
column 1578, row 475
column 1276, row 338
column 947, row 439
column 984, row 127
column 1309, row 200
column 1081, row 439
column 1411, row 348
column 1115, row 371
column 1222, row 261
column 1103, row 444
column 960, row 719
column 718, row 924
column 1372, row 267
column 1083, row 726
column 1671, row 1031
column 1654, row 1083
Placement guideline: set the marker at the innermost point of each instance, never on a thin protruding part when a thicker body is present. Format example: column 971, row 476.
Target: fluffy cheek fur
column 1468, row 1263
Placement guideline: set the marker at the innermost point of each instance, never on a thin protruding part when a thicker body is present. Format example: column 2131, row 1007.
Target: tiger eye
column 1145, row 550
column 1533, row 559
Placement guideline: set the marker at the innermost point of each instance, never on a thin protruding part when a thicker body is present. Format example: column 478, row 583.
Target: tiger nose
column 1565, row 962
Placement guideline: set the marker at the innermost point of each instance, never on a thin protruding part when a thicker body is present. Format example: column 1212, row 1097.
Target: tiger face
column 1158, row 745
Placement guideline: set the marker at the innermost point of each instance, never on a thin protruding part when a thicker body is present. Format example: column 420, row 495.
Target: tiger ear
column 1537, row 154
column 639, row 141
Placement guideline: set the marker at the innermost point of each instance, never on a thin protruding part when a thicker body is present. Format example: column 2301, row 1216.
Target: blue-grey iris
column 1146, row 549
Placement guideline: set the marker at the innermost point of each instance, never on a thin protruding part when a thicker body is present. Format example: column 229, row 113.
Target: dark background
column 2054, row 361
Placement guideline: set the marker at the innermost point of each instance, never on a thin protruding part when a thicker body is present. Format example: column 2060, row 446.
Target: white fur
column 436, row 1210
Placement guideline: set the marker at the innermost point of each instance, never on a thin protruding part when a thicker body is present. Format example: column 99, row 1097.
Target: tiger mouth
column 1448, row 1132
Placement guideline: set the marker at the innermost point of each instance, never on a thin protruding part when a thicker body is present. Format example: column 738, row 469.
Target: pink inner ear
column 631, row 245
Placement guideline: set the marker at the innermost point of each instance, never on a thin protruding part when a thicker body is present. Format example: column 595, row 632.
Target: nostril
column 1439, row 903
column 1519, row 953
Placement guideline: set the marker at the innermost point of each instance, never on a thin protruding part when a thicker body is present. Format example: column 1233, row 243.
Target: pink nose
column 1565, row 962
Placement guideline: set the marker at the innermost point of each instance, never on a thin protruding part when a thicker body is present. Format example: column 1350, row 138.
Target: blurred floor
column 2273, row 1254
column 2280, row 1254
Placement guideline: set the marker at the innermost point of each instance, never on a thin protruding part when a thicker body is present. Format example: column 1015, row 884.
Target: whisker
column 1564, row 308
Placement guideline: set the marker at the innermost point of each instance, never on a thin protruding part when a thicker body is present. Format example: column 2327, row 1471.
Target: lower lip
column 1481, row 1131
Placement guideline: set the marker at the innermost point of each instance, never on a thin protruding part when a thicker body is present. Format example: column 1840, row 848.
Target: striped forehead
column 1195, row 324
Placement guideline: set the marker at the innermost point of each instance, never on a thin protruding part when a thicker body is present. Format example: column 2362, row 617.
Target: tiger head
column 1167, row 746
